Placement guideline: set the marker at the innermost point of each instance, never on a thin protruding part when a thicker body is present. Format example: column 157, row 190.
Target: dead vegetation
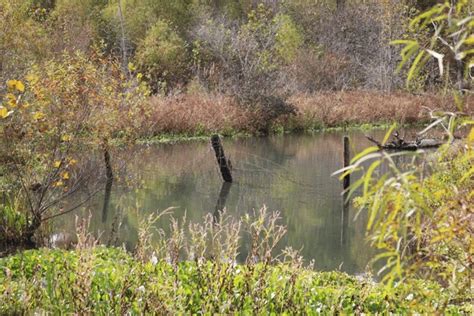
column 202, row 113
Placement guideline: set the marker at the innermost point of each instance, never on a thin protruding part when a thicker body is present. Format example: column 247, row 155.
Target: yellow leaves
column 470, row 137
column 66, row 138
column 57, row 164
column 469, row 40
column 58, row 183
column 11, row 100
column 38, row 115
column 32, row 78
column 72, row 162
column 65, row 175
column 15, row 85
column 4, row 113
column 132, row 67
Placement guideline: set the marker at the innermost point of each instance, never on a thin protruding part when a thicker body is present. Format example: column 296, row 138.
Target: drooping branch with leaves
column 420, row 215
column 444, row 32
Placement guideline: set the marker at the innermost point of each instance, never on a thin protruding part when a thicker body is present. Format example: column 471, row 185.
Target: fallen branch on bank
column 400, row 144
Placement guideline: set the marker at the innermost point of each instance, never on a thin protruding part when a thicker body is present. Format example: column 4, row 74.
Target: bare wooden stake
column 347, row 161
column 222, row 161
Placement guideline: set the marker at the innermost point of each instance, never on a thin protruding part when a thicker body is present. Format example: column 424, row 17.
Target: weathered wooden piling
column 222, row 161
column 347, row 160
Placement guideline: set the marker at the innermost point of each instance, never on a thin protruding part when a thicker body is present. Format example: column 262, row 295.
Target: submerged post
column 346, row 182
column 224, row 164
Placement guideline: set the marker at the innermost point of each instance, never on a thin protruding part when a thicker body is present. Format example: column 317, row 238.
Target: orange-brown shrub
column 201, row 113
column 194, row 113
column 360, row 107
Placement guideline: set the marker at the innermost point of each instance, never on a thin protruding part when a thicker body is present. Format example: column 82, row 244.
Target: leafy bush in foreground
column 108, row 280
column 195, row 269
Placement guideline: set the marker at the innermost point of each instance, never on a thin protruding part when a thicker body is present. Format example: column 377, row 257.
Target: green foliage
column 140, row 15
column 106, row 280
column 450, row 26
column 162, row 56
column 288, row 39
column 422, row 225
column 22, row 38
column 13, row 222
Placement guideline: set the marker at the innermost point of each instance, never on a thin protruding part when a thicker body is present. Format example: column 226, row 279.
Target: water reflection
column 291, row 174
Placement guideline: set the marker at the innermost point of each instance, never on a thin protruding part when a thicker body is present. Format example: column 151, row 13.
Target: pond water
column 289, row 173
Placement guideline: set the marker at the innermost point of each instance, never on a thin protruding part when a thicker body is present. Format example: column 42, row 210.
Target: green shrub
column 108, row 280
column 422, row 225
column 162, row 56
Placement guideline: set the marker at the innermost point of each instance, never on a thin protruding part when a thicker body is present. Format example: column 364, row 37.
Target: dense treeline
column 250, row 49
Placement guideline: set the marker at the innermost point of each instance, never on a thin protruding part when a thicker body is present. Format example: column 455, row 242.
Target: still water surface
column 290, row 174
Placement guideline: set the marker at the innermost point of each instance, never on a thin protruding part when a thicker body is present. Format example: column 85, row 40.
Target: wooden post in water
column 346, row 182
column 109, row 174
column 222, row 161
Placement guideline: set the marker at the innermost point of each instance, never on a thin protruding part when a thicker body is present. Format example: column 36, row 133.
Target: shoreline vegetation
column 196, row 116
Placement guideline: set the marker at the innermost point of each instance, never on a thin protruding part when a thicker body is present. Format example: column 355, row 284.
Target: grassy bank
column 108, row 280
column 195, row 115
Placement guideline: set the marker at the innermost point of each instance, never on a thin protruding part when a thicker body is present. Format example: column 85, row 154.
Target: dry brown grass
column 361, row 107
column 201, row 113
column 196, row 113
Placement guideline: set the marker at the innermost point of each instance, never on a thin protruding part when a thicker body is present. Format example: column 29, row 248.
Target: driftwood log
column 400, row 144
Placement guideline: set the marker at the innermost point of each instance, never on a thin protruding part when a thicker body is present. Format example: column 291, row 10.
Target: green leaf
column 364, row 153
column 414, row 67
column 368, row 175
column 389, row 132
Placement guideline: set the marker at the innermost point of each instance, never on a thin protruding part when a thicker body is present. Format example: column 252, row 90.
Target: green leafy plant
column 420, row 215
column 444, row 32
